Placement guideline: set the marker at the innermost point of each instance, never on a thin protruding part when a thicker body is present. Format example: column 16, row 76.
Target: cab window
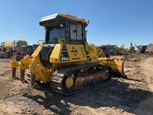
column 75, row 31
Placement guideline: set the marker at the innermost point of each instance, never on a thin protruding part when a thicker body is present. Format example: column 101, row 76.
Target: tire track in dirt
column 147, row 68
column 146, row 107
column 119, row 96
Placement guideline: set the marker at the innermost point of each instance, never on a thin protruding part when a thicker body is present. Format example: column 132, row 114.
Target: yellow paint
column 88, row 78
column 24, row 63
column 76, row 55
column 10, row 44
column 73, row 17
column 35, row 67
column 14, row 63
column 79, row 80
column 69, row 82
column 56, row 54
column 117, row 65
column 37, row 51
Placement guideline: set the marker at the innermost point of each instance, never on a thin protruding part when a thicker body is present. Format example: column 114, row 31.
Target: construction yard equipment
column 121, row 50
column 132, row 48
column 65, row 59
column 109, row 49
column 141, row 48
column 117, row 65
column 7, row 48
column 124, row 51
column 23, row 50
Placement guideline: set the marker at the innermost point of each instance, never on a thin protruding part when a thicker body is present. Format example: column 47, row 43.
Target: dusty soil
column 149, row 48
column 118, row 96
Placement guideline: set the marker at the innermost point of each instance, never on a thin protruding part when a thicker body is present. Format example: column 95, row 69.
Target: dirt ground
column 132, row 96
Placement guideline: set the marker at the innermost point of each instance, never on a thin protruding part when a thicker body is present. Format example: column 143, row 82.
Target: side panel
column 56, row 54
column 9, row 44
column 92, row 53
column 76, row 52
column 68, row 53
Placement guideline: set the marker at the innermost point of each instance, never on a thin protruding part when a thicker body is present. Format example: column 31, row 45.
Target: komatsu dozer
column 64, row 59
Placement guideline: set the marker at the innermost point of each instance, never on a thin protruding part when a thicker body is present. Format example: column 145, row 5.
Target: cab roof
column 59, row 18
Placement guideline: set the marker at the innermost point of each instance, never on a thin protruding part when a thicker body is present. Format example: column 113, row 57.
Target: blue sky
column 111, row 21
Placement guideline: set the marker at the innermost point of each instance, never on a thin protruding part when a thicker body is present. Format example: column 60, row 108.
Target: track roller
column 69, row 82
column 72, row 79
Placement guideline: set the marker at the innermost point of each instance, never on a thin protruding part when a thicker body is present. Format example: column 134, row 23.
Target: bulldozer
column 64, row 59
column 123, row 51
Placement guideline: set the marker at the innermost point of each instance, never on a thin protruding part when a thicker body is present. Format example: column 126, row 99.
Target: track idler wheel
column 69, row 82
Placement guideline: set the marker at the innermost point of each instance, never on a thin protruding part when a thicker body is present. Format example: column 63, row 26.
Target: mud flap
column 116, row 64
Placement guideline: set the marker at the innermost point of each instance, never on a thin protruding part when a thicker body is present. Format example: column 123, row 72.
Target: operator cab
column 64, row 26
column 61, row 26
column 17, row 44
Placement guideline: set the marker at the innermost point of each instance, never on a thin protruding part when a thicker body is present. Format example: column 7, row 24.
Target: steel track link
column 59, row 74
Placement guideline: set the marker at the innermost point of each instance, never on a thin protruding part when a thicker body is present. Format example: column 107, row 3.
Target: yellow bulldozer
column 65, row 59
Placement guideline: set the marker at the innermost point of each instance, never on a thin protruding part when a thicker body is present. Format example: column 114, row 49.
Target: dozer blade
column 116, row 64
